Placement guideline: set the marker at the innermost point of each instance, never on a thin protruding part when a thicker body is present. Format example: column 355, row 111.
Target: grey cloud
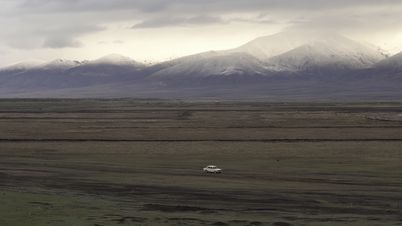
column 380, row 20
column 195, row 5
column 61, row 42
column 53, row 36
column 178, row 21
column 116, row 42
column 258, row 20
column 67, row 32
column 158, row 13
column 34, row 24
column 23, row 41
column 43, row 6
column 199, row 20
column 153, row 12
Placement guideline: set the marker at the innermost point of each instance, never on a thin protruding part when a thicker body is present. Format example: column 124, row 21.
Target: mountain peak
column 307, row 50
column 266, row 47
column 333, row 51
column 115, row 59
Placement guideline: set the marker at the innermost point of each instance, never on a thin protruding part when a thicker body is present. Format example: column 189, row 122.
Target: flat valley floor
column 136, row 162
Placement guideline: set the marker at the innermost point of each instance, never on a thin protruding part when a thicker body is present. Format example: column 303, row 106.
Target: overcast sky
column 157, row 30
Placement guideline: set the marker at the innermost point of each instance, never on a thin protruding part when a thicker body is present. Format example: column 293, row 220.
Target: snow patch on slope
column 212, row 64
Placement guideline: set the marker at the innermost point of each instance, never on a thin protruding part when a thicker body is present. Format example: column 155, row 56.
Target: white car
column 212, row 169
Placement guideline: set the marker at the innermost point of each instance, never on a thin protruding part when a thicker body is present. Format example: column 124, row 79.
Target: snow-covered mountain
column 23, row 66
column 211, row 64
column 266, row 47
column 61, row 64
column 328, row 53
column 110, row 68
column 282, row 64
column 392, row 63
column 247, row 60
column 62, row 73
column 283, row 52
column 44, row 75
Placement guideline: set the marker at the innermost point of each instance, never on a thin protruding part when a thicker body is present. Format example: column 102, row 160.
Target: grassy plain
column 133, row 162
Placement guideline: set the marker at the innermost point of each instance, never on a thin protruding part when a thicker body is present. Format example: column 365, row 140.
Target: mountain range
column 286, row 66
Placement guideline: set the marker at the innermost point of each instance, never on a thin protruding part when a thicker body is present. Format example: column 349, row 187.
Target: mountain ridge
column 307, row 63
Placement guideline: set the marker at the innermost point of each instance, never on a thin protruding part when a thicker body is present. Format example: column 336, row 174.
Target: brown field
column 133, row 162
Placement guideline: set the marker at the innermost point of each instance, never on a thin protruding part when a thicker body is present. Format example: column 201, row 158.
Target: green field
column 133, row 162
